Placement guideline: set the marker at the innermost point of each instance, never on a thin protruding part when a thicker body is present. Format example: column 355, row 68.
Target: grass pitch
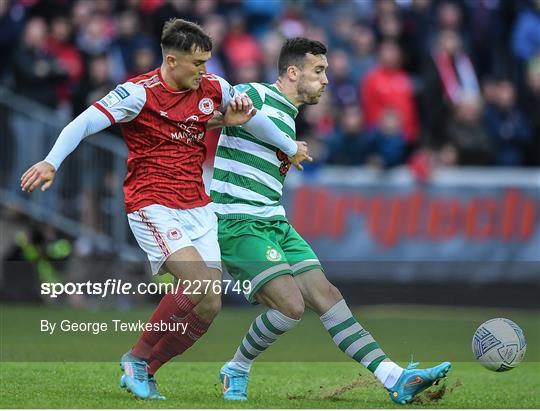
column 303, row 370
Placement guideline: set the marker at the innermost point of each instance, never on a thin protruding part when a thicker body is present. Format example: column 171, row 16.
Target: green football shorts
column 259, row 250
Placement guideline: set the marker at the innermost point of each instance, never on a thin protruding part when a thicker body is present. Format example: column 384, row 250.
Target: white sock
column 388, row 373
column 264, row 331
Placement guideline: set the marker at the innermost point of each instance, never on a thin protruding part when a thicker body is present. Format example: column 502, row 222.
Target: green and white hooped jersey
column 249, row 173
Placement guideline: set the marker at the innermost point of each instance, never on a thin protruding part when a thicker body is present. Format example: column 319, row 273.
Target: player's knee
column 293, row 309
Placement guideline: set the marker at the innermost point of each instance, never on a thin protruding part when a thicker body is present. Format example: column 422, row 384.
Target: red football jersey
column 164, row 131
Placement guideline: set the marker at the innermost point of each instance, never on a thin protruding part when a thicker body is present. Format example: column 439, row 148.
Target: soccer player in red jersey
column 164, row 115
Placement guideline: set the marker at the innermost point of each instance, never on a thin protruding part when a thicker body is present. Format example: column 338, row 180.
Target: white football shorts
column 160, row 231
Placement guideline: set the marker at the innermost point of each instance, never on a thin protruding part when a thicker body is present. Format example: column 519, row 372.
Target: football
column 499, row 344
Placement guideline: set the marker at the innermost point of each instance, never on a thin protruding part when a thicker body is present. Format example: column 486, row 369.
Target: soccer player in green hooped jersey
column 258, row 243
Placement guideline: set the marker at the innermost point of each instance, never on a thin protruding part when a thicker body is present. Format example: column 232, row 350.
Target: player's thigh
column 160, row 235
column 297, row 251
column 188, row 265
column 318, row 293
column 200, row 224
column 282, row 294
column 166, row 236
column 249, row 254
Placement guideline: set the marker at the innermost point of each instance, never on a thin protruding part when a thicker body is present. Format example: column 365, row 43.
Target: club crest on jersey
column 272, row 254
column 174, row 234
column 206, row 105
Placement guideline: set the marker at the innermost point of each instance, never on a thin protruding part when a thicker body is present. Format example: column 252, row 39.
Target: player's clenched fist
column 302, row 154
column 40, row 174
column 239, row 111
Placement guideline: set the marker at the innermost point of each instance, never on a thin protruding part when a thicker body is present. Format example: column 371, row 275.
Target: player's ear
column 170, row 59
column 293, row 73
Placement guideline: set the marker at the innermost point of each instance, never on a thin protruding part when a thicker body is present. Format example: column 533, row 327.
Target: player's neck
column 167, row 78
column 289, row 90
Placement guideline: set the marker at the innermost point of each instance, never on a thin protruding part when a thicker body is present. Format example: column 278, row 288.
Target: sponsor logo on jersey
column 174, row 234
column 163, row 113
column 114, row 97
column 206, row 105
column 190, row 130
column 272, row 254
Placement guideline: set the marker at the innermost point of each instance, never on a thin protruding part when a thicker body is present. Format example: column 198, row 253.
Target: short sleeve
column 227, row 92
column 123, row 104
column 252, row 93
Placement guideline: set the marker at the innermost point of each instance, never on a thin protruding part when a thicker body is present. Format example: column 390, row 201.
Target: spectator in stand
column 387, row 141
column 415, row 41
column 348, row 144
column 271, row 46
column 531, row 103
column 448, row 79
column 387, row 87
column 526, row 35
column 292, row 21
column 37, row 72
column 449, row 18
column 216, row 27
column 11, row 26
column 340, row 30
column 260, row 14
column 467, row 136
column 341, row 87
column 507, row 126
column 37, row 75
column 169, row 9
column 485, row 26
column 60, row 45
column 125, row 46
column 96, row 84
column 363, row 58
column 240, row 47
column 144, row 60
column 390, row 27
column 93, row 39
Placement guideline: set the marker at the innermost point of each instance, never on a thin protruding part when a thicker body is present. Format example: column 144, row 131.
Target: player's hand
column 40, row 174
column 239, row 111
column 301, row 155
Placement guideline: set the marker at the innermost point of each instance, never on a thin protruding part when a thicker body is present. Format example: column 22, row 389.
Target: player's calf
column 345, row 330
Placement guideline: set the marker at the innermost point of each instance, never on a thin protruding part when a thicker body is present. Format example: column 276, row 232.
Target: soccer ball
column 499, row 344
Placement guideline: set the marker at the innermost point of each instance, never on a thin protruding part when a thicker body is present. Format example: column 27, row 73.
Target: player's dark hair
column 294, row 51
column 185, row 36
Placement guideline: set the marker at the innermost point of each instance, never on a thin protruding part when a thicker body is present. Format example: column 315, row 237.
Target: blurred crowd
column 417, row 82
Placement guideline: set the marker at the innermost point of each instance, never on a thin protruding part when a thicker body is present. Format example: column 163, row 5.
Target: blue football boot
column 413, row 381
column 154, row 392
column 234, row 383
column 135, row 377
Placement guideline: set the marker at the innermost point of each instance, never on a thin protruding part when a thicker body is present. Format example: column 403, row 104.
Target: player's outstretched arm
column 259, row 125
column 122, row 104
column 42, row 174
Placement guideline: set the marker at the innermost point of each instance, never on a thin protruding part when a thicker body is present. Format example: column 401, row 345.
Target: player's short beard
column 306, row 97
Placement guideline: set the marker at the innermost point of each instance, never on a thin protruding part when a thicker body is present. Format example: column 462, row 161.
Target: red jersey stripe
column 104, row 111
